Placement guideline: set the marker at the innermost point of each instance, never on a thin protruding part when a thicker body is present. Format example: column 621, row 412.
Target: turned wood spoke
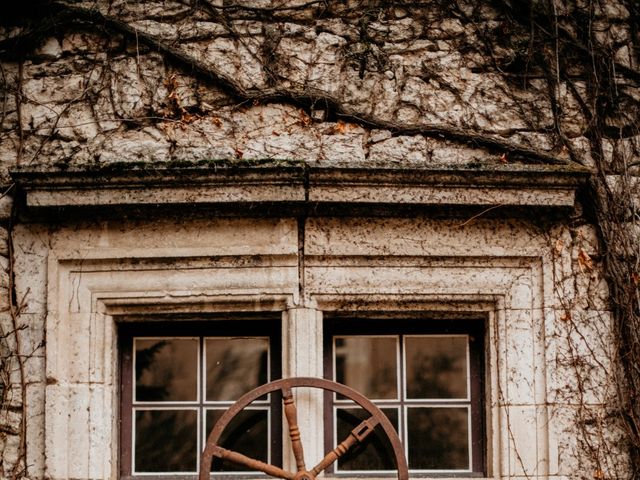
column 251, row 463
column 356, row 435
column 291, row 413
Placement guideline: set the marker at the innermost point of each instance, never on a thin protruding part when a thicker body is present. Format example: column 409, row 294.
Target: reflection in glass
column 375, row 453
column 248, row 433
column 235, row 366
column 368, row 365
column 166, row 369
column 166, row 441
column 436, row 366
column 438, row 438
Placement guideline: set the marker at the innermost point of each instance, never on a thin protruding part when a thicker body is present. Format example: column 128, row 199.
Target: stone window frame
column 92, row 290
column 86, row 280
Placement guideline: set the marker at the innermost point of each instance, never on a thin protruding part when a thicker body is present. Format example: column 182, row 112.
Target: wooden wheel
column 357, row 435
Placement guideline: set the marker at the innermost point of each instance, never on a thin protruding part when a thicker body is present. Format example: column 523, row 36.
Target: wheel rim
column 286, row 385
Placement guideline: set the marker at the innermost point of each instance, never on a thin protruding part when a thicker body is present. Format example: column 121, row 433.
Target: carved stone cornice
column 300, row 185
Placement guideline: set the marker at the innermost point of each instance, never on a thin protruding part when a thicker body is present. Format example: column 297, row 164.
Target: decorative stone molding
column 303, row 184
column 91, row 290
column 92, row 274
column 98, row 276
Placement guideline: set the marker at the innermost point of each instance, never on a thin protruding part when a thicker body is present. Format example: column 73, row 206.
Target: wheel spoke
column 251, row 463
column 291, row 413
column 357, row 435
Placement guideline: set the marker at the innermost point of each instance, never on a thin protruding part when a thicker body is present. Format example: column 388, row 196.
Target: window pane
column 166, row 441
column 248, row 433
column 235, row 366
column 368, row 365
column 166, row 369
column 436, row 366
column 438, row 438
column 375, row 453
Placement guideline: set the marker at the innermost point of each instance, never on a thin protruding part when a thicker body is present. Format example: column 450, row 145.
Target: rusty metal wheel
column 357, row 435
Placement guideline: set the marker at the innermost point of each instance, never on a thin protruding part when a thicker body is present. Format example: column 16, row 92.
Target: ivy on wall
column 568, row 69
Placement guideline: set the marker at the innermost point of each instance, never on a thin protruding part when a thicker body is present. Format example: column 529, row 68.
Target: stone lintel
column 302, row 184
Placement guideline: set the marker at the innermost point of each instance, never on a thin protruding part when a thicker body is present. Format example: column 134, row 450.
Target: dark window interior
column 427, row 377
column 177, row 380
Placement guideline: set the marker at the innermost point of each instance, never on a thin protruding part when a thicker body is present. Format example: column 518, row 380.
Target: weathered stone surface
column 240, row 60
column 594, row 447
column 447, row 153
column 324, row 62
column 9, row 146
column 137, row 84
column 75, row 43
column 35, row 403
column 51, row 50
column 376, row 136
column 341, row 148
column 397, row 86
column 581, row 147
column 10, row 455
column 135, row 146
column 4, row 238
column 4, row 306
column 339, row 27
column 267, row 119
column 281, row 146
column 585, row 239
column 400, row 150
column 623, row 186
column 412, row 75
column 43, row 90
column 581, row 370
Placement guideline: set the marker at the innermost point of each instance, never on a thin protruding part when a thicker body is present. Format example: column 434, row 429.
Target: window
column 426, row 376
column 179, row 377
column 177, row 380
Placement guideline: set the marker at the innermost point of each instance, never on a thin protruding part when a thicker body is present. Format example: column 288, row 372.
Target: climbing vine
column 577, row 59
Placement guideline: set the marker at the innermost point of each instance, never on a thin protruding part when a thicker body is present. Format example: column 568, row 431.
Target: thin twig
column 479, row 215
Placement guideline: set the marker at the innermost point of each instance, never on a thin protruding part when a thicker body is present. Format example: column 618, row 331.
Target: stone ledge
column 301, row 184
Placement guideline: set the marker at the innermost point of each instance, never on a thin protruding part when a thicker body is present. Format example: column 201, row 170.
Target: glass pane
column 436, row 366
column 248, row 433
column 166, row 441
column 438, row 438
column 166, row 369
column 368, row 365
column 235, row 366
column 375, row 453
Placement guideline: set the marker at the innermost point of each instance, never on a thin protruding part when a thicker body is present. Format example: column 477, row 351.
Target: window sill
column 461, row 476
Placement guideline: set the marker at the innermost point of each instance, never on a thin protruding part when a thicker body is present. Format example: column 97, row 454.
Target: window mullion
column 202, row 426
column 402, row 424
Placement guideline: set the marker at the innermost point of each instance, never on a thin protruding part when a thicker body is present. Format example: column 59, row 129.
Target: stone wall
column 134, row 84
column 547, row 356
column 210, row 90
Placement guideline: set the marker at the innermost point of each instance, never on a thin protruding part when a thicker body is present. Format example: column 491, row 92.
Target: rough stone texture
column 89, row 98
column 531, row 353
column 92, row 99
